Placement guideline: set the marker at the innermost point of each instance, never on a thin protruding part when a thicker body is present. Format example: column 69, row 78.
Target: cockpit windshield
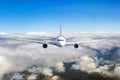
column 60, row 40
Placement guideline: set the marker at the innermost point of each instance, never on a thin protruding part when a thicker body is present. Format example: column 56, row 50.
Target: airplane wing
column 76, row 44
column 43, row 42
column 34, row 41
column 83, row 42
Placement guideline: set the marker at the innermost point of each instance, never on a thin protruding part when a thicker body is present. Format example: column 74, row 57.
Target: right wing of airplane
column 44, row 43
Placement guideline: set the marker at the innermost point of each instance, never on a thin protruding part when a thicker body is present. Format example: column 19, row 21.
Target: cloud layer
column 100, row 56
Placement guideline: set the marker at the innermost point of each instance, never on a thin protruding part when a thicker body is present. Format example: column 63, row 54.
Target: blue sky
column 19, row 16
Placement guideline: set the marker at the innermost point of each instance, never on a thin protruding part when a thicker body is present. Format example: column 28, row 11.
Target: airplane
column 60, row 41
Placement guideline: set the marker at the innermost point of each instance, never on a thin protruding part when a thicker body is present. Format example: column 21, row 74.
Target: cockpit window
column 60, row 40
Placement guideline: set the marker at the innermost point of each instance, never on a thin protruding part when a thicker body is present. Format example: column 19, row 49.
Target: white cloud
column 85, row 64
column 5, row 65
column 18, row 55
column 59, row 67
column 55, row 77
column 47, row 71
column 3, row 33
column 117, row 72
column 32, row 77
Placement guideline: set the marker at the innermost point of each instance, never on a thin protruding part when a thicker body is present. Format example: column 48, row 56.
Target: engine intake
column 76, row 45
column 44, row 45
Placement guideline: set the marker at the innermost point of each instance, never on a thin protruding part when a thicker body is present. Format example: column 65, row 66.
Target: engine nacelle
column 76, row 45
column 44, row 45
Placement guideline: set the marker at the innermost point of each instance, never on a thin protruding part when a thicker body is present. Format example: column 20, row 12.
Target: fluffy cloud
column 85, row 64
column 5, row 65
column 90, row 57
column 59, row 67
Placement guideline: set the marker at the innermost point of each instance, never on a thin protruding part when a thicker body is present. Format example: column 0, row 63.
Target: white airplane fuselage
column 60, row 41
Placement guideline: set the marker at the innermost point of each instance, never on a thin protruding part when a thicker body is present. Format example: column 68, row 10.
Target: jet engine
column 76, row 45
column 44, row 45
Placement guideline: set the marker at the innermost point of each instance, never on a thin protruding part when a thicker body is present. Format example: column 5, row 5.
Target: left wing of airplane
column 76, row 44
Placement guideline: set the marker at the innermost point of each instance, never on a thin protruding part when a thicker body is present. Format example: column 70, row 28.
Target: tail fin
column 60, row 31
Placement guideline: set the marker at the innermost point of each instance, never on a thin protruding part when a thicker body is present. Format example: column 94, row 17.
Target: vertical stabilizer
column 60, row 31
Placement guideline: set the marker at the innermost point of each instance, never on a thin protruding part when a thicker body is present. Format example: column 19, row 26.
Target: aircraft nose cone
column 61, row 44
